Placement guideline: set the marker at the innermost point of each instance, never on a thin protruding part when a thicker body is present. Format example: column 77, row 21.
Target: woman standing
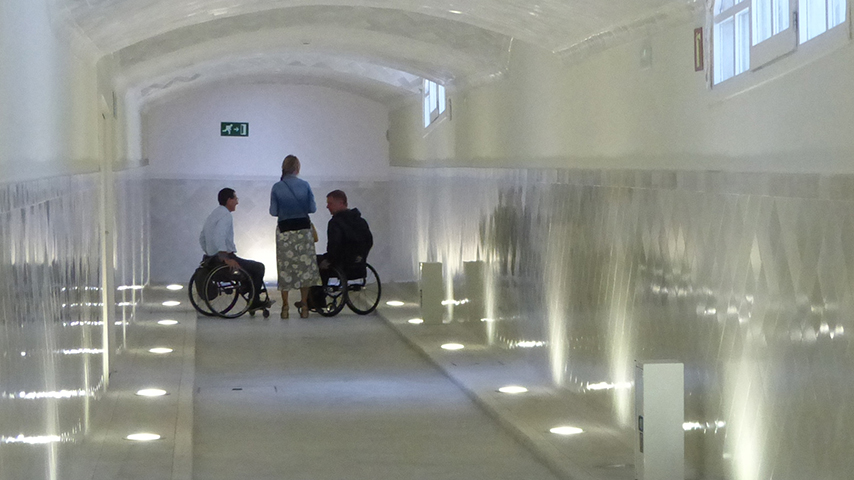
column 291, row 200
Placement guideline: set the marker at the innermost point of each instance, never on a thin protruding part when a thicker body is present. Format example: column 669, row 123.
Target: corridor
column 336, row 398
column 596, row 186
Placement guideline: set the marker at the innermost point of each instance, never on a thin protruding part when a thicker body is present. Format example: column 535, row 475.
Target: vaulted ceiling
column 376, row 48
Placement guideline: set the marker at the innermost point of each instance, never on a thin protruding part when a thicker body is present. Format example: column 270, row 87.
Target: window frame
column 773, row 48
column 778, row 44
column 803, row 21
column 434, row 102
column 719, row 18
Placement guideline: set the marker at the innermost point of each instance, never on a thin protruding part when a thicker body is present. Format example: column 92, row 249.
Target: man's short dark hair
column 338, row 195
column 225, row 195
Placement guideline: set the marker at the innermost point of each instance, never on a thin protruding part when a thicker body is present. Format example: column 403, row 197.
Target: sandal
column 303, row 309
column 284, row 315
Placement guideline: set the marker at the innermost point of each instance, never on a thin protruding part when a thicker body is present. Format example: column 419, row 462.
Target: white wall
column 678, row 223
column 49, row 99
column 610, row 112
column 335, row 134
column 340, row 139
column 56, row 230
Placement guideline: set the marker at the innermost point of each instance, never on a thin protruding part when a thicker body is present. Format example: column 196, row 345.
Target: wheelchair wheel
column 230, row 292
column 363, row 294
column 265, row 298
column 196, row 300
column 334, row 296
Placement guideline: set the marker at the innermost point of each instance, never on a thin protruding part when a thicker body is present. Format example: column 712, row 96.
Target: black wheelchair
column 217, row 290
column 357, row 286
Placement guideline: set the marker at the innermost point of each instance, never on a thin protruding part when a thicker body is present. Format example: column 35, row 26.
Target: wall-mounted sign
column 698, row 50
column 234, row 129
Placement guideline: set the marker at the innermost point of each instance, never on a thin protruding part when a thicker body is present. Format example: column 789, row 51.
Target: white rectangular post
column 660, row 406
column 432, row 292
column 474, row 274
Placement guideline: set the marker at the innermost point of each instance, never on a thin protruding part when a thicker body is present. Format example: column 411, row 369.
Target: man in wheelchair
column 349, row 240
column 217, row 241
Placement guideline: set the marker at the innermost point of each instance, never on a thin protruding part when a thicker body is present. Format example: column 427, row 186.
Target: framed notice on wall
column 233, row 129
column 699, row 64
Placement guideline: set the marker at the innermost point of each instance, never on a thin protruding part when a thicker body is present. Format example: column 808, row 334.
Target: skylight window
column 435, row 102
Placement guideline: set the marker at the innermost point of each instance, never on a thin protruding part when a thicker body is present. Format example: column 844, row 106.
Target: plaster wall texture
column 336, row 135
column 50, row 97
column 613, row 111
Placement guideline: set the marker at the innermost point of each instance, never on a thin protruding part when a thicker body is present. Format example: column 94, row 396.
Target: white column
column 660, row 406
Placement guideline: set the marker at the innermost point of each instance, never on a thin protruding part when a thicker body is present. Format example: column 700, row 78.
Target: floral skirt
column 296, row 260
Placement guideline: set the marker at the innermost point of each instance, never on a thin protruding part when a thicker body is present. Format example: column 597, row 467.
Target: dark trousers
column 325, row 273
column 255, row 271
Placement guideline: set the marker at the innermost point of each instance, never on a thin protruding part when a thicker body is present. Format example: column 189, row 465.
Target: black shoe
column 257, row 304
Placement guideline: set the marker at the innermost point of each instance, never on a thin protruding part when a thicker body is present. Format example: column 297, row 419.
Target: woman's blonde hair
column 290, row 165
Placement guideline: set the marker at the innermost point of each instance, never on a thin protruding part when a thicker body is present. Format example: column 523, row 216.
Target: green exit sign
column 234, row 129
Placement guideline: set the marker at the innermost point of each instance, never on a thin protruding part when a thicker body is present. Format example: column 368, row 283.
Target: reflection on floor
column 600, row 451
column 337, row 398
column 349, row 397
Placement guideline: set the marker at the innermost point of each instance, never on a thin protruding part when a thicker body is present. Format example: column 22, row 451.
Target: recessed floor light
column 171, row 303
column 566, row 430
column 512, row 389
column 143, row 437
column 174, row 287
column 38, row 440
column 416, row 321
column 129, row 287
column 151, row 392
column 453, row 346
column 168, row 322
column 160, row 350
column 394, row 303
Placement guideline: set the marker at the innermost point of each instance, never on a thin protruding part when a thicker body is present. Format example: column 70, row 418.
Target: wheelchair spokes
column 196, row 299
column 233, row 292
column 224, row 291
column 363, row 294
column 334, row 298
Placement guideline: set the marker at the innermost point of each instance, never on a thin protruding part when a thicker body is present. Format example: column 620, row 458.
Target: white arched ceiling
column 366, row 46
column 383, row 45
column 381, row 84
column 552, row 24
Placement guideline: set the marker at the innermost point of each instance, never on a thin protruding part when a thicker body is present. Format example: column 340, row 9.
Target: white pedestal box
column 474, row 274
column 432, row 293
column 660, row 408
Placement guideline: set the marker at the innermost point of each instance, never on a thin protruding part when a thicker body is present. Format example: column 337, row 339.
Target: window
column 732, row 31
column 819, row 16
column 434, row 102
column 751, row 33
column 770, row 17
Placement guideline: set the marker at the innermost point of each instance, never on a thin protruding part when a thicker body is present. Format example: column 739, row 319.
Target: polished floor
column 339, row 398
